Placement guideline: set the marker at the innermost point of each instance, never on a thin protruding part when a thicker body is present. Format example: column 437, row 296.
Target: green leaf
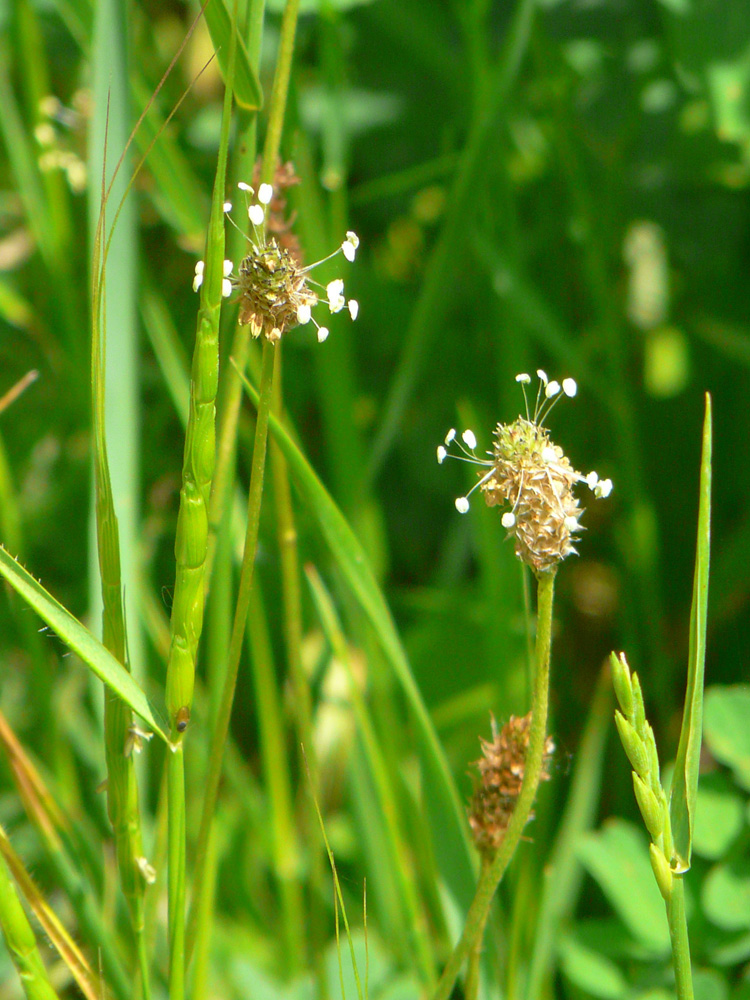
column 591, row 972
column 245, row 83
column 726, row 895
column 709, row 984
column 79, row 639
column 719, row 816
column 727, row 731
column 617, row 858
column 352, row 562
column 685, row 781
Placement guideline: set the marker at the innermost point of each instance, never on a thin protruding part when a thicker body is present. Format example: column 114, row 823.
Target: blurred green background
column 562, row 185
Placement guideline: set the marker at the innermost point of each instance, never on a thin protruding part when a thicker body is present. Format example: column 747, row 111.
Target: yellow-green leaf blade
column 245, row 84
column 685, row 781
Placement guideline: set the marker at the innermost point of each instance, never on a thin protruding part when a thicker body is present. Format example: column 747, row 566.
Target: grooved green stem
column 680, row 943
column 280, row 91
column 490, row 877
column 176, row 861
column 221, row 730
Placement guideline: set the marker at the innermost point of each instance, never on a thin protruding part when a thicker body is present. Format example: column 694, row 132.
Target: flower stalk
column 534, row 768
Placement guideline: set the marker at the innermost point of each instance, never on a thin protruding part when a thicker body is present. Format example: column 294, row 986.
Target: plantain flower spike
column 532, row 478
column 276, row 292
column 501, row 770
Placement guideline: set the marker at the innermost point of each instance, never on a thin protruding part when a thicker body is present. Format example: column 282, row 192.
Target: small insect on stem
column 182, row 719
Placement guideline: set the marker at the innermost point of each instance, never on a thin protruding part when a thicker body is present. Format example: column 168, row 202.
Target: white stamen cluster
column 533, row 475
column 275, row 293
column 226, row 283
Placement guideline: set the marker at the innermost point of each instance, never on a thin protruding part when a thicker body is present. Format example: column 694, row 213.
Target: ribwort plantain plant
column 533, row 476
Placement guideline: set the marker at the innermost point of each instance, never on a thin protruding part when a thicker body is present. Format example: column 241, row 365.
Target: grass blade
column 685, row 780
column 85, row 977
column 21, row 941
column 245, row 83
column 79, row 639
column 352, row 561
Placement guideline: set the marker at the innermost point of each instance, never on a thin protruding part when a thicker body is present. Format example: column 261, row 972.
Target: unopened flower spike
column 531, row 477
column 275, row 292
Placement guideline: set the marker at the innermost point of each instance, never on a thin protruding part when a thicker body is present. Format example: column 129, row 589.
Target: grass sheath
column 491, row 876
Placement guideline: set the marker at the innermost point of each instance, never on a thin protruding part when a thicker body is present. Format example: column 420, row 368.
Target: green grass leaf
column 245, row 84
column 685, row 781
column 78, row 638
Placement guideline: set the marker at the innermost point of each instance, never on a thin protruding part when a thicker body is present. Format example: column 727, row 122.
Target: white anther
column 591, row 480
column 226, row 287
column 570, row 388
column 441, row 454
column 256, row 215
column 524, row 378
column 349, row 246
column 462, row 505
column 322, row 333
column 552, row 389
column 571, row 523
column 469, row 439
column 548, row 454
column 147, row 870
column 265, row 193
column 508, row 519
column 542, row 375
column 603, row 488
column 227, row 207
column 228, row 265
column 244, row 187
column 304, row 314
column 353, row 306
column 450, row 436
column 334, row 290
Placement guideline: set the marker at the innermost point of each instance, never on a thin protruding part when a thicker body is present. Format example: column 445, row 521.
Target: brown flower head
column 275, row 291
column 501, row 769
column 532, row 475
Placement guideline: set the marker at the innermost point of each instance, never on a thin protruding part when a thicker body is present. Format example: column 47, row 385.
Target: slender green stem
column 176, row 862
column 490, row 877
column 680, row 943
column 471, row 986
column 221, row 730
column 144, row 957
column 280, row 90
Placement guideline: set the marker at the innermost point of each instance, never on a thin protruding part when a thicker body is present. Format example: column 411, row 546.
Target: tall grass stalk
column 220, row 733
column 191, row 544
column 493, row 873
